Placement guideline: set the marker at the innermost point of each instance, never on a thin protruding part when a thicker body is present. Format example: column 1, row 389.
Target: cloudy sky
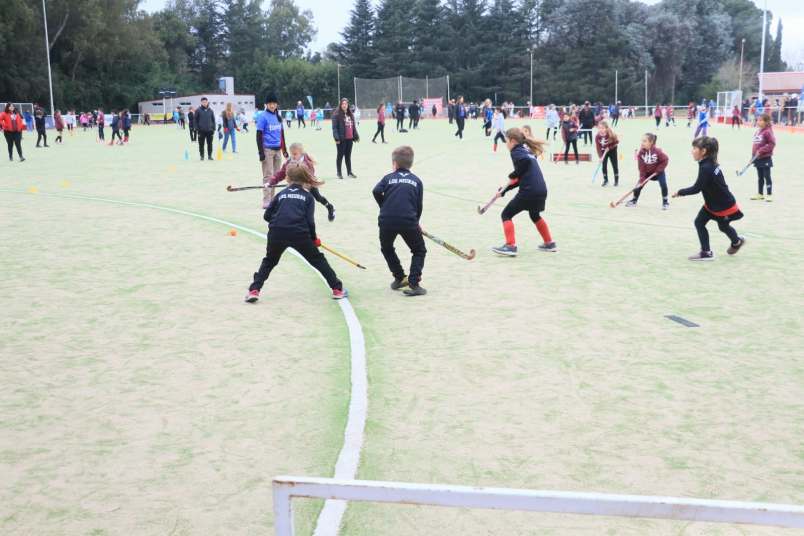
column 332, row 15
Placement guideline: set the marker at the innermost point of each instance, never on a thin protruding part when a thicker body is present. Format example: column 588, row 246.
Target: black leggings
column 278, row 243
column 567, row 144
column 614, row 120
column 116, row 133
column 764, row 178
column 193, row 134
column 547, row 134
column 587, row 135
column 318, row 197
column 534, row 206
column 300, row 122
column 704, row 217
column 658, row 121
column 380, row 132
column 415, row 241
column 344, row 152
column 460, row 121
column 615, row 166
column 41, row 135
column 13, row 139
column 100, row 133
column 400, row 122
column 499, row 136
column 205, row 138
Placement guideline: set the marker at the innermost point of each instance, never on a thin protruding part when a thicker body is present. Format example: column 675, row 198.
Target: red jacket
column 18, row 125
column 604, row 143
column 651, row 161
column 764, row 143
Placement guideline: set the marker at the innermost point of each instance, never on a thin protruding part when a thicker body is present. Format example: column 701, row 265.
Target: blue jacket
column 270, row 126
column 400, row 196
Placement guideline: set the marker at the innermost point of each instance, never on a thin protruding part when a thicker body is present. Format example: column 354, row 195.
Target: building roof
column 784, row 82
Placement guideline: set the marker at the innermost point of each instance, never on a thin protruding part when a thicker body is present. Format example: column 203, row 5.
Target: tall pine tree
column 358, row 38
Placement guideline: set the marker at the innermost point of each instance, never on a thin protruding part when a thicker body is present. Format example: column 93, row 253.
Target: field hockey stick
column 748, row 165
column 231, row 188
column 344, row 257
column 450, row 248
column 613, row 204
column 599, row 166
column 484, row 208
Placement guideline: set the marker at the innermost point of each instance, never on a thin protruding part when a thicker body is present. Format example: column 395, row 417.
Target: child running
column 703, row 121
column 762, row 152
column 291, row 221
column 299, row 157
column 719, row 203
column 400, row 196
column 606, row 142
column 498, row 123
column 652, row 162
column 532, row 194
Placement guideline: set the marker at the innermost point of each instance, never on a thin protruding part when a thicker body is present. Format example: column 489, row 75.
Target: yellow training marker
column 229, row 157
column 219, row 154
column 65, row 184
column 33, row 190
column 172, row 169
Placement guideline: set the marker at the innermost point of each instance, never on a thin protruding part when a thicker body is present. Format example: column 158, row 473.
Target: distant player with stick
column 400, row 196
column 299, row 157
column 291, row 220
column 606, row 142
column 719, row 203
column 762, row 155
column 532, row 194
column 652, row 162
column 498, row 123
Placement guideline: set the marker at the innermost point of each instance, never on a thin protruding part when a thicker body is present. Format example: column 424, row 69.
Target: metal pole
column 447, row 89
column 616, row 85
column 354, row 80
column 762, row 52
column 339, row 83
column 647, row 110
column 47, row 50
column 742, row 50
column 426, row 86
column 400, row 88
column 531, row 79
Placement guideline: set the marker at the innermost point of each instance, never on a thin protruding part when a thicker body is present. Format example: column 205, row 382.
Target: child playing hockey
column 762, row 152
column 532, row 194
column 606, row 142
column 400, row 196
column 299, row 157
column 498, row 123
column 736, row 117
column 291, row 224
column 703, row 121
column 719, row 203
column 652, row 162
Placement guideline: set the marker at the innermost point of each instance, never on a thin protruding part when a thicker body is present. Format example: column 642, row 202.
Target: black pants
column 611, row 156
column 58, row 136
column 400, row 123
column 116, row 134
column 735, row 121
column 460, row 121
column 277, row 244
column 344, row 152
column 499, row 136
column 764, row 166
column 658, row 121
column 587, row 135
column 101, row 136
column 316, row 193
column 193, row 134
column 125, row 134
column 534, row 206
column 415, row 241
column 662, row 178
column 300, row 122
column 567, row 144
column 205, row 137
column 41, row 135
column 547, row 134
column 380, row 132
column 614, row 120
column 704, row 217
column 13, row 139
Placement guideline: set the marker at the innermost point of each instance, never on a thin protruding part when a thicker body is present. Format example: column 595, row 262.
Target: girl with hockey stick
column 569, row 133
column 703, row 121
column 297, row 156
column 291, row 221
column 652, row 162
column 532, row 194
column 498, row 123
column 719, row 203
column 764, row 142
column 606, row 142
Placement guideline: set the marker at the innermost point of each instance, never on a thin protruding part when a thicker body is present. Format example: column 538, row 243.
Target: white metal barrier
column 286, row 488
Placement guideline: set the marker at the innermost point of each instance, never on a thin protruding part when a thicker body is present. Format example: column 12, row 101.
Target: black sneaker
column 734, row 248
column 352, row 175
column 549, row 247
column 414, row 290
column 702, row 256
column 202, row 158
column 340, row 176
column 605, row 182
column 631, row 204
column 330, row 212
column 505, row 250
column 399, row 284
column 665, row 205
column 616, row 181
column 22, row 159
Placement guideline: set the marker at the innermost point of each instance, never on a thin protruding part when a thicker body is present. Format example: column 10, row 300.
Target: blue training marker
column 186, row 154
column 682, row 321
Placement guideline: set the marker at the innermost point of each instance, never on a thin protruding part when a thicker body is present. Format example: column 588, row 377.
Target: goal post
column 726, row 101
column 370, row 92
column 286, row 488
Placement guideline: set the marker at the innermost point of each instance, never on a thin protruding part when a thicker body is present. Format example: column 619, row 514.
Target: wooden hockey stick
column 613, row 204
column 450, row 248
column 344, row 257
column 748, row 165
column 484, row 208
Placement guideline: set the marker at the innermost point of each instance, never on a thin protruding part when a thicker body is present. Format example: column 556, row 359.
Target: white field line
column 329, row 520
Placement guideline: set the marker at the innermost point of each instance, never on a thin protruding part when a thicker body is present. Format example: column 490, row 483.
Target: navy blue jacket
column 530, row 180
column 712, row 185
column 292, row 212
column 400, row 196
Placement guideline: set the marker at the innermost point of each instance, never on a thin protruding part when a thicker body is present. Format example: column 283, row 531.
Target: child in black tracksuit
column 400, row 196
column 291, row 220
column 532, row 194
column 719, row 203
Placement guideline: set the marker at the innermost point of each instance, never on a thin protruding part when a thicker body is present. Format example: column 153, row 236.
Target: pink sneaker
column 339, row 294
column 252, row 296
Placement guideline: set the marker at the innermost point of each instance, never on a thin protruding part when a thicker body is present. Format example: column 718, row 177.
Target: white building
column 218, row 100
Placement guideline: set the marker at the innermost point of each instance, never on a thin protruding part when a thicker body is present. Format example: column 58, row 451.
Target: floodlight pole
column 647, row 108
column 47, row 50
column 531, row 77
column 762, row 52
column 339, row 82
column 742, row 51
column 616, row 84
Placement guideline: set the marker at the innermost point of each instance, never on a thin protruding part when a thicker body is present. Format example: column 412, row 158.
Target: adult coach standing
column 344, row 130
column 270, row 143
column 12, row 124
column 205, row 126
column 587, row 119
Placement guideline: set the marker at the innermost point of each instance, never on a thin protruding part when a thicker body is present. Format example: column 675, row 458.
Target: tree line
column 111, row 53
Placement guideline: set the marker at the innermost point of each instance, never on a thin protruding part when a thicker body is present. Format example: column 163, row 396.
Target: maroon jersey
column 605, row 143
column 651, row 161
column 764, row 143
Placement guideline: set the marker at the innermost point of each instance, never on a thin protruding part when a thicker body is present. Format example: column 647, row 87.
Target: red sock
column 510, row 235
column 544, row 230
